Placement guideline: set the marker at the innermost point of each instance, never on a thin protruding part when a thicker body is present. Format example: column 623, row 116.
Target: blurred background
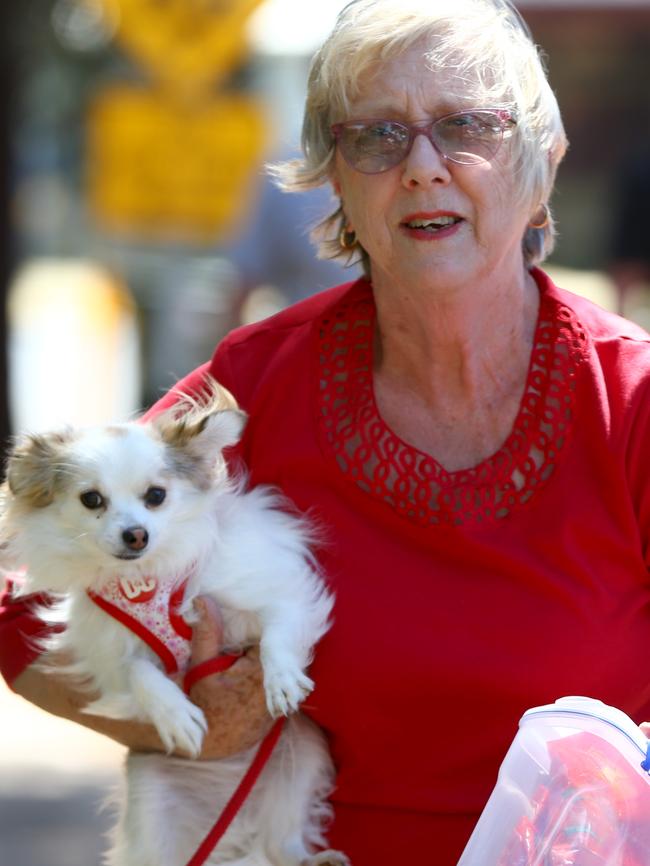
column 138, row 228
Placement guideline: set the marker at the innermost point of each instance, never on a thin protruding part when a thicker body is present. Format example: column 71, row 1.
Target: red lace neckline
column 415, row 485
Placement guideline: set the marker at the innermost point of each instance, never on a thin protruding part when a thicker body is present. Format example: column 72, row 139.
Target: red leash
column 222, row 663
column 237, row 800
column 204, row 669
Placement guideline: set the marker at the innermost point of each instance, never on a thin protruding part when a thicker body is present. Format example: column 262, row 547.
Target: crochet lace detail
column 408, row 480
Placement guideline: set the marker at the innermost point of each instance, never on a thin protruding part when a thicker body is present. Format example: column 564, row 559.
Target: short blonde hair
column 489, row 49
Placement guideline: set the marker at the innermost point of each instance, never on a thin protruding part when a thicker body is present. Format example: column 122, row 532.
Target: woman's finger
column 207, row 631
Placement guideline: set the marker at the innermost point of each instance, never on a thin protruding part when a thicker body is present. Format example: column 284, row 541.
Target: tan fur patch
column 38, row 468
column 186, row 465
column 178, row 432
column 118, row 432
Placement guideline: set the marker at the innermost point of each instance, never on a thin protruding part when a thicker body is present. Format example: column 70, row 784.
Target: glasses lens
column 469, row 137
column 373, row 147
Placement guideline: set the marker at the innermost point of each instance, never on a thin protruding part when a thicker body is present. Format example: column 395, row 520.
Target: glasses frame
column 425, row 127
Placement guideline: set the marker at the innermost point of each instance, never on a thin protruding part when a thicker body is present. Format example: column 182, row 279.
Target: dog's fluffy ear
column 202, row 424
column 34, row 467
column 223, row 427
column 195, row 444
column 207, row 433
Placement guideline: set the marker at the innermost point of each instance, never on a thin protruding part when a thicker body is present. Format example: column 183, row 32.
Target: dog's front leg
column 153, row 697
column 180, row 723
column 284, row 654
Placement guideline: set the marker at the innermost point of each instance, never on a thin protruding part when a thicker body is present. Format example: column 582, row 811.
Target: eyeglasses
column 465, row 137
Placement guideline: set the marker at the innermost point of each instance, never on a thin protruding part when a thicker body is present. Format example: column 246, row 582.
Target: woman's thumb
column 207, row 631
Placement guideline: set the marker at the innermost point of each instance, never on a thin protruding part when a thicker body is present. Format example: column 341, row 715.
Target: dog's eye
column 92, row 499
column 155, row 496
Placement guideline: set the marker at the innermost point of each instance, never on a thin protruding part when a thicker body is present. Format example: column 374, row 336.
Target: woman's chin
column 446, row 275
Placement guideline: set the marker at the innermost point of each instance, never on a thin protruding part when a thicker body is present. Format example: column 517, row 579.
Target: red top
column 462, row 598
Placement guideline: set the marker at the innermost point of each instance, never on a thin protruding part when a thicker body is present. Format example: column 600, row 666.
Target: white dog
column 131, row 519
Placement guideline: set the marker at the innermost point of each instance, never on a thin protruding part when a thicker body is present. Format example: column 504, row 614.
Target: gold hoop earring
column 347, row 238
column 542, row 221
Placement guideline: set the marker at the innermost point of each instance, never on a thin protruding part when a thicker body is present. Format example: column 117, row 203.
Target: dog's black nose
column 135, row 537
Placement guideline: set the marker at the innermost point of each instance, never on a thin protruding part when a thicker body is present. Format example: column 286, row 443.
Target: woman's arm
column 233, row 701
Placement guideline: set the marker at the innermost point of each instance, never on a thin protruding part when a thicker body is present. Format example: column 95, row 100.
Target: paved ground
column 63, row 830
column 54, row 777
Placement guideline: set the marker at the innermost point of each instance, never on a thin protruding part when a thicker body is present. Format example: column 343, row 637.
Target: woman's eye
column 465, row 121
column 92, row 499
column 383, row 132
column 155, row 496
column 475, row 125
column 378, row 130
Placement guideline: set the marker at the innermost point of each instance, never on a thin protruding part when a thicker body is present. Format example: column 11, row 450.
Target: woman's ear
column 334, row 179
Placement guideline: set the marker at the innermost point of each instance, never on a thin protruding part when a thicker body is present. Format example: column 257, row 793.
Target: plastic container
column 573, row 790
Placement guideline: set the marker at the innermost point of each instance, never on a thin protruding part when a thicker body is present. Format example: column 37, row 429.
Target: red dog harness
column 149, row 608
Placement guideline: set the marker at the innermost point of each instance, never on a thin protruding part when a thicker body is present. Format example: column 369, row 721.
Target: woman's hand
column 645, row 727
column 233, row 701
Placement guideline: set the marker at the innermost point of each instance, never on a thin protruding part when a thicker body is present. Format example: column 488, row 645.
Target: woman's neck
column 456, row 345
column 450, row 369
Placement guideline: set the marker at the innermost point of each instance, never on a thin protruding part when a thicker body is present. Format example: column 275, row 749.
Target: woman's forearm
column 55, row 693
column 233, row 701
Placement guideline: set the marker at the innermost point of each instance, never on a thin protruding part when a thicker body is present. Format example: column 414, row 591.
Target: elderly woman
column 470, row 438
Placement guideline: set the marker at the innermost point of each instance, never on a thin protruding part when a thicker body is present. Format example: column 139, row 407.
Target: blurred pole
column 7, row 11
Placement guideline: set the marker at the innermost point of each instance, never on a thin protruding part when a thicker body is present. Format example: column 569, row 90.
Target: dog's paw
column 179, row 722
column 286, row 688
column 327, row 858
column 181, row 729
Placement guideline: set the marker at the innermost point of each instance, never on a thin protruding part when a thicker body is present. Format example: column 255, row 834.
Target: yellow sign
column 184, row 43
column 170, row 170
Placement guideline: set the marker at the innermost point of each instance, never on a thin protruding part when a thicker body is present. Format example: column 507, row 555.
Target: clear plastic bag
column 572, row 791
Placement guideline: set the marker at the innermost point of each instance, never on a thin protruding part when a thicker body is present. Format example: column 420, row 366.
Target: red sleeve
column 638, row 465
column 18, row 626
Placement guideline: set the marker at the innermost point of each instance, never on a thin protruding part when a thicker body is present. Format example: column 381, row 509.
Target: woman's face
column 486, row 222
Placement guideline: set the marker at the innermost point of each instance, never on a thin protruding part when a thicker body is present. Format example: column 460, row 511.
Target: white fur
column 253, row 557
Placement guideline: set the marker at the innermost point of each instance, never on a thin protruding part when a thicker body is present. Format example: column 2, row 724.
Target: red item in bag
column 590, row 811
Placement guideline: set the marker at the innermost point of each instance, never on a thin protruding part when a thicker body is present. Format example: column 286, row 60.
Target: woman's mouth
column 431, row 225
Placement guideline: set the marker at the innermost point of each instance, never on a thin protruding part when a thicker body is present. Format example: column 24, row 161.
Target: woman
column 469, row 437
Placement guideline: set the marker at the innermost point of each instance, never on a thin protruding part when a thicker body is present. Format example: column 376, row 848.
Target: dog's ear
column 36, row 465
column 203, row 424
column 205, row 432
column 222, row 428
column 195, row 443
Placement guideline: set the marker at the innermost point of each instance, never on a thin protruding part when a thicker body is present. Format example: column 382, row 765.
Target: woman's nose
column 424, row 164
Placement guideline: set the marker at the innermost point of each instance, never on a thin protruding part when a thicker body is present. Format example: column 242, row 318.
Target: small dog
column 137, row 519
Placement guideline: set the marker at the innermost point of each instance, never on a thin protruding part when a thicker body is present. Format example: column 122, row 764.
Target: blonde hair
column 488, row 48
